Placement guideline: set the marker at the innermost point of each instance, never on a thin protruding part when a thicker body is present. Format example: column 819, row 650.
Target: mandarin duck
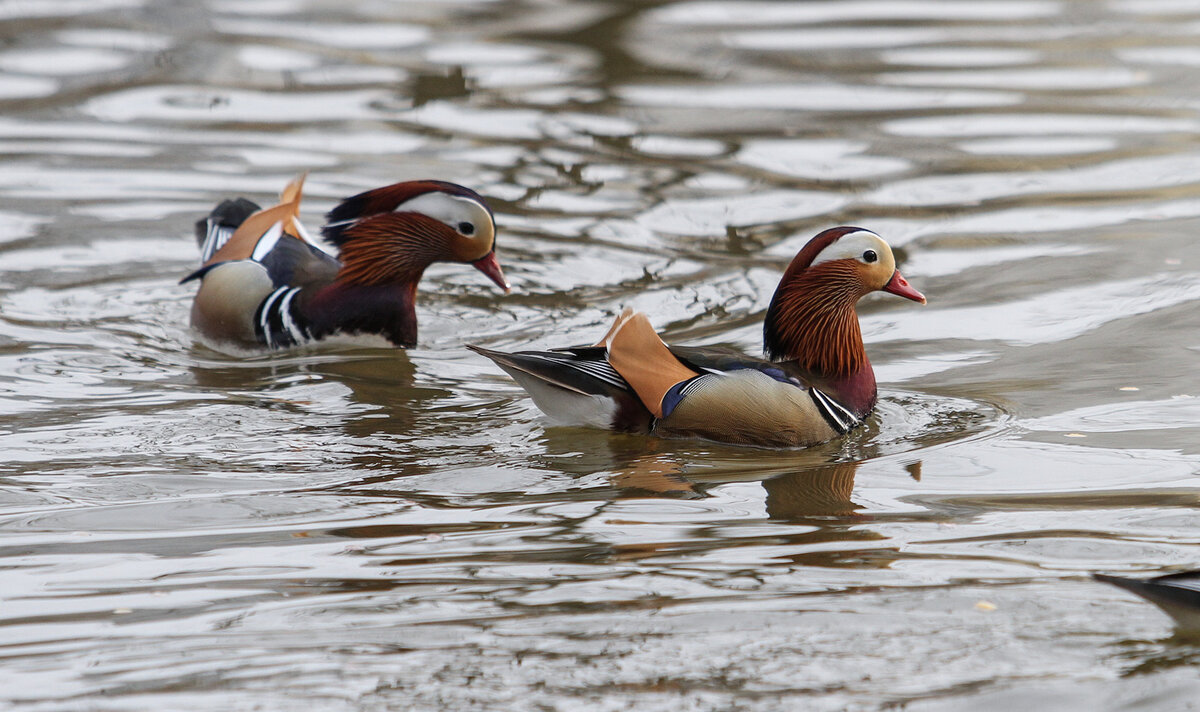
column 265, row 282
column 814, row 384
column 1178, row 595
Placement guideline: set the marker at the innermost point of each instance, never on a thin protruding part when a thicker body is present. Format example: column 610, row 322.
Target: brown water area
column 348, row 528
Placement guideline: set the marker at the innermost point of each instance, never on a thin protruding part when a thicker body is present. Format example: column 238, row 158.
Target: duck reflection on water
column 822, row 490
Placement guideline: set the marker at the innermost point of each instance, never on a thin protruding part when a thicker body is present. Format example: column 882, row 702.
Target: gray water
column 367, row 529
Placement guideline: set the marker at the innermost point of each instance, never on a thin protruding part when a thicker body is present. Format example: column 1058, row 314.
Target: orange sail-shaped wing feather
column 621, row 318
column 643, row 360
column 245, row 239
column 292, row 194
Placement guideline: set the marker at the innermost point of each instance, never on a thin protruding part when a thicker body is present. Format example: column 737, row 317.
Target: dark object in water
column 1177, row 594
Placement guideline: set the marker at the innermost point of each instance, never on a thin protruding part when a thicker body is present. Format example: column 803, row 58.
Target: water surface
column 371, row 529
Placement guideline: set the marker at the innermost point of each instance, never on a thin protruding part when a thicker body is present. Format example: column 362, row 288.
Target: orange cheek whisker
column 813, row 320
column 391, row 248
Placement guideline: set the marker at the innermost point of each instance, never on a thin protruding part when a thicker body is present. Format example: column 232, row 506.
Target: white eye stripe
column 853, row 245
column 450, row 209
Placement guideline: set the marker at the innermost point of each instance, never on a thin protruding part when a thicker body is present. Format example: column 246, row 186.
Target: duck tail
column 575, row 386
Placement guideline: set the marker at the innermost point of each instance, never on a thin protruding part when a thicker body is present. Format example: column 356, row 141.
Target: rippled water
column 369, row 529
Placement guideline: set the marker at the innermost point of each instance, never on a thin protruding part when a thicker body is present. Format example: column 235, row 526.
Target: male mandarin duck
column 814, row 384
column 266, row 283
column 1178, row 595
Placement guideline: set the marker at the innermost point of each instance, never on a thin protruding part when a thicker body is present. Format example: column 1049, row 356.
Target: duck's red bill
column 490, row 266
column 899, row 286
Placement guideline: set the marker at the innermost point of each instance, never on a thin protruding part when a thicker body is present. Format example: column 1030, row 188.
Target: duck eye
column 466, row 228
column 869, row 256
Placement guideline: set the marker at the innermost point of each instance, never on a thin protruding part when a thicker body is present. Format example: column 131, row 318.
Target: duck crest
column 381, row 201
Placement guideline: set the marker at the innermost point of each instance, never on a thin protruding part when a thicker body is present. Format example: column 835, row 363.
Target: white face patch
column 862, row 245
column 464, row 215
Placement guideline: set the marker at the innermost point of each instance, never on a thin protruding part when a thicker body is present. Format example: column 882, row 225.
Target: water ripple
column 381, row 529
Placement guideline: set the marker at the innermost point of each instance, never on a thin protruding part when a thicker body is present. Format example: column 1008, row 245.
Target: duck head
column 390, row 235
column 812, row 317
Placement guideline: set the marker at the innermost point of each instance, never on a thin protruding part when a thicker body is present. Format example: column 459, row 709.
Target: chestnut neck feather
column 812, row 321
column 375, row 291
column 388, row 310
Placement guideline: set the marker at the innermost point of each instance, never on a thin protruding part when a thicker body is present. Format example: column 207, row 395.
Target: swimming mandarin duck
column 814, row 384
column 265, row 282
column 1178, row 595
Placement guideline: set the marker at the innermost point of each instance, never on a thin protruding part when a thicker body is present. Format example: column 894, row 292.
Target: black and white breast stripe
column 836, row 414
column 278, row 323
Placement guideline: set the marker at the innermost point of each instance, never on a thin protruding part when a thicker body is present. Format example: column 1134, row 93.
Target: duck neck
column 388, row 310
column 375, row 291
column 856, row 391
column 812, row 321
